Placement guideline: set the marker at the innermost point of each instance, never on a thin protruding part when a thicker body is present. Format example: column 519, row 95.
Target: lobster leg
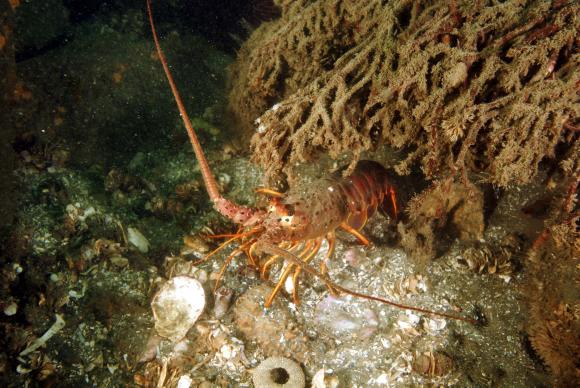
column 393, row 201
column 229, row 259
column 389, row 207
column 298, row 269
column 279, row 285
column 222, row 246
column 355, row 233
column 250, row 254
column 331, row 238
column 275, row 250
column 306, row 253
column 270, row 192
column 271, row 260
column 226, row 243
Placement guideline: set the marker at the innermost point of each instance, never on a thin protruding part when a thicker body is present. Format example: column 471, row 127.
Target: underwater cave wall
column 486, row 87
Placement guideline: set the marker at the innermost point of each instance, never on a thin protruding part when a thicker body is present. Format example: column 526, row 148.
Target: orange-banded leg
column 269, row 192
column 279, row 285
column 298, row 269
column 229, row 259
column 357, row 220
column 224, row 235
column 264, row 272
column 222, row 246
column 250, row 254
column 331, row 238
column 286, row 272
column 275, row 250
column 393, row 200
column 233, row 237
column 355, row 233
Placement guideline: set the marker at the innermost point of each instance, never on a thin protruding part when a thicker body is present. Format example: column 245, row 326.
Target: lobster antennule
column 233, row 211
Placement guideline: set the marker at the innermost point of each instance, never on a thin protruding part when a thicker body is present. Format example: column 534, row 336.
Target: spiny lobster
column 295, row 224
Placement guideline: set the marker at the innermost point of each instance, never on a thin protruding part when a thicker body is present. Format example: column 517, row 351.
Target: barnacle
column 278, row 372
column 106, row 248
column 491, row 259
column 222, row 301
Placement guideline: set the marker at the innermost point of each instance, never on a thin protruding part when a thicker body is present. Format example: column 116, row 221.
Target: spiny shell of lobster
column 295, row 224
column 318, row 209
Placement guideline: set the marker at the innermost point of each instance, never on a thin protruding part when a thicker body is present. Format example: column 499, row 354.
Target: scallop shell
column 177, row 306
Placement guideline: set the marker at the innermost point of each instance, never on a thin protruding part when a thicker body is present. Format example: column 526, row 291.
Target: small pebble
column 11, row 309
column 119, row 261
column 184, row 382
column 136, row 238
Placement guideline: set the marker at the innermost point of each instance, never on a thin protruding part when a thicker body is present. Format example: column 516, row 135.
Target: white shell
column 37, row 343
column 184, row 382
column 136, row 238
column 177, row 306
column 436, row 324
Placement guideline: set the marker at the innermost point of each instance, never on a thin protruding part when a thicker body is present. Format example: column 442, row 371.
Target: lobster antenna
column 233, row 211
column 275, row 250
column 208, row 178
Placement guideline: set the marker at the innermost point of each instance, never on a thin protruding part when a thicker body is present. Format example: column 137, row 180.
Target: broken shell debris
column 432, row 364
column 324, row 379
column 177, row 306
column 137, row 238
column 55, row 328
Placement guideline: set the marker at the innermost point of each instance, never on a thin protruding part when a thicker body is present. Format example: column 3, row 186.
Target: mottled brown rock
column 445, row 210
column 273, row 329
column 553, row 295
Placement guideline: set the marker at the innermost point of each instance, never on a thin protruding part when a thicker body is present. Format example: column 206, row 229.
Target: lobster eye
column 286, row 221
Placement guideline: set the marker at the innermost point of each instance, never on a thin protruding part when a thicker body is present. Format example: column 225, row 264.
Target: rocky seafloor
column 110, row 205
column 79, row 256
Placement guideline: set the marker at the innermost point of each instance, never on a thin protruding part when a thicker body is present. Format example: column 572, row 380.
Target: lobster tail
column 367, row 190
